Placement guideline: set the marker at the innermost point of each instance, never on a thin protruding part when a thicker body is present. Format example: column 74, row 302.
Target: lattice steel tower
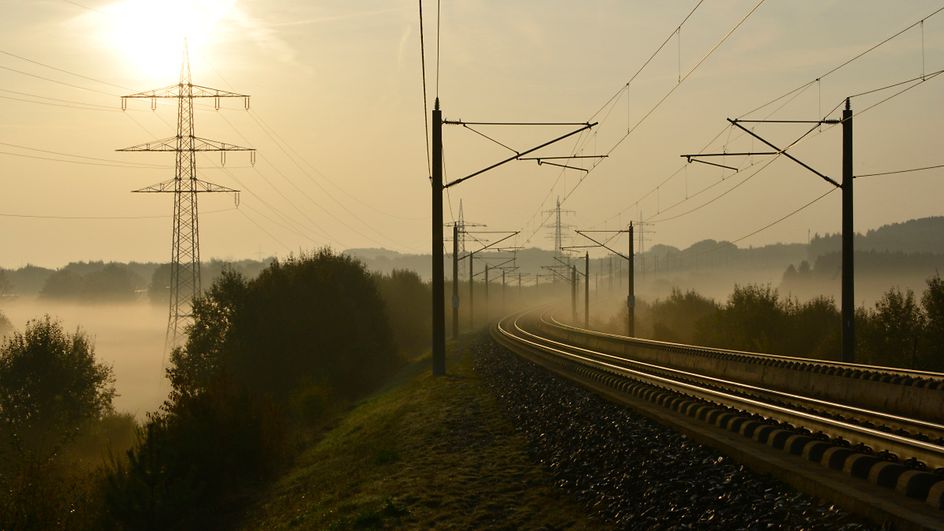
column 558, row 226
column 185, row 243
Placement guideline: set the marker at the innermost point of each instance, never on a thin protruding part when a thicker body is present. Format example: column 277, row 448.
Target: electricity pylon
column 558, row 226
column 185, row 243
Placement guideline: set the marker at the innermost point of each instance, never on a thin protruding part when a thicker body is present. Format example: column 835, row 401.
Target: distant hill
column 904, row 253
column 924, row 235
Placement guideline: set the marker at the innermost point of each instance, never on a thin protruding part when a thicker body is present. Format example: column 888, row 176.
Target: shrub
column 5, row 325
column 262, row 356
column 407, row 298
column 933, row 304
column 677, row 318
column 52, row 393
column 51, row 386
column 891, row 334
column 753, row 319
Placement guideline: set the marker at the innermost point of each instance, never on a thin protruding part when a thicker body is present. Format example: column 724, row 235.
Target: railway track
column 878, row 427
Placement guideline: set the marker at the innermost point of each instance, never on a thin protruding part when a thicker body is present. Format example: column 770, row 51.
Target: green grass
column 423, row 452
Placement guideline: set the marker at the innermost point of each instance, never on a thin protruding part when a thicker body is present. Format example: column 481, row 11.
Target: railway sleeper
column 907, row 479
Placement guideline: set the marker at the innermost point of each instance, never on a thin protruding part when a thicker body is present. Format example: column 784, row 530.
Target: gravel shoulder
column 631, row 472
column 502, row 443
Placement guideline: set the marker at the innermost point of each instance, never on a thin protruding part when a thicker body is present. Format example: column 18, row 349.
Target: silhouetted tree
column 5, row 325
column 677, row 318
column 753, row 319
column 891, row 334
column 63, row 284
column 50, row 387
column 112, row 283
column 406, row 298
column 813, row 329
column 262, row 355
column 6, row 287
column 933, row 304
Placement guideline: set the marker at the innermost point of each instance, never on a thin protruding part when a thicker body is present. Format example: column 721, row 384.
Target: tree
column 5, row 325
column 406, row 297
column 6, row 287
column 51, row 386
column 754, row 318
column 112, row 283
column 262, row 355
column 892, row 333
column 676, row 318
column 63, row 284
column 933, row 303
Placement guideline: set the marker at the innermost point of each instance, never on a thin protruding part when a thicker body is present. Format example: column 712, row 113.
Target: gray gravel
column 634, row 473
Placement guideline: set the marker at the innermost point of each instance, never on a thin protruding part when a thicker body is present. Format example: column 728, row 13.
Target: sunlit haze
column 337, row 118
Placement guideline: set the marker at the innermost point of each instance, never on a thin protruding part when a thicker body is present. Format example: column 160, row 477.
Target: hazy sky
column 337, row 117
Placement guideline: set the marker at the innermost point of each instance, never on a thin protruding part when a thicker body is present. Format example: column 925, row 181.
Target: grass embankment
column 423, row 452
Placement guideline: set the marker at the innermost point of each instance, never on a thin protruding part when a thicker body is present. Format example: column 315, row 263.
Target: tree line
column 901, row 329
column 266, row 364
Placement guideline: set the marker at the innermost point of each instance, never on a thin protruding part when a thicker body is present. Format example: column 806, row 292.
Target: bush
column 676, row 318
column 890, row 335
column 262, row 356
column 55, row 405
column 814, row 329
column 407, row 298
column 753, row 319
column 51, row 386
column 98, row 283
column 933, row 303
column 6, row 287
column 5, row 325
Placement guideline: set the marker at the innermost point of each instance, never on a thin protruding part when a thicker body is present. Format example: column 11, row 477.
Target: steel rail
column 905, row 448
column 915, row 426
column 682, row 347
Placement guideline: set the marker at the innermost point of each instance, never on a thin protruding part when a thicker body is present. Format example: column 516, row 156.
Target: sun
column 149, row 36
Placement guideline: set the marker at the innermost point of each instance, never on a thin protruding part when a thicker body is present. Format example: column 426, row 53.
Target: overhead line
column 895, row 172
column 63, row 70
column 651, row 57
column 666, row 96
column 429, row 163
column 845, row 63
column 123, row 163
column 328, row 193
column 266, row 232
column 777, row 221
column 593, row 166
column 57, row 81
column 324, row 176
column 792, row 94
column 84, row 163
column 70, row 104
column 73, row 218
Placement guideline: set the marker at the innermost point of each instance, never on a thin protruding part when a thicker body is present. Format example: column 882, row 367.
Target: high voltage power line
column 121, row 164
column 813, row 132
column 789, row 96
column 578, row 149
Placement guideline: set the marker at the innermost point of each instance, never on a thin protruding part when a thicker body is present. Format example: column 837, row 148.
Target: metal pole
column 503, row 292
column 848, row 236
column 631, row 292
column 471, row 292
column 573, row 293
column 586, row 290
column 487, row 308
column 455, row 281
column 439, row 309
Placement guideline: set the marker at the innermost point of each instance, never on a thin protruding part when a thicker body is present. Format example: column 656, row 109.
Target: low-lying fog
column 129, row 337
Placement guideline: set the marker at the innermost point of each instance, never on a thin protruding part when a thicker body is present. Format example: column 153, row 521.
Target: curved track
column 738, row 391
